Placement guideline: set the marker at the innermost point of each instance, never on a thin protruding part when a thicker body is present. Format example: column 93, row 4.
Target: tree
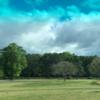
column 46, row 61
column 1, row 68
column 94, row 67
column 33, row 66
column 64, row 69
column 85, row 62
column 14, row 61
column 66, row 56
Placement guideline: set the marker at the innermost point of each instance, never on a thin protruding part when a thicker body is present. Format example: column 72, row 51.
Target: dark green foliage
column 1, row 67
column 33, row 69
column 85, row 62
column 46, row 61
column 14, row 61
column 94, row 67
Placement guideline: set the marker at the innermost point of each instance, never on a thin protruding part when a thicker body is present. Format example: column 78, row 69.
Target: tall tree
column 94, row 67
column 85, row 62
column 14, row 61
column 33, row 68
column 1, row 68
column 47, row 60
column 64, row 69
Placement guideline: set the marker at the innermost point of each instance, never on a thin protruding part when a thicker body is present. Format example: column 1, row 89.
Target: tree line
column 15, row 62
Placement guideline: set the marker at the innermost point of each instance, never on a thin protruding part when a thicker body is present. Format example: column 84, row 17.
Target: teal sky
column 42, row 26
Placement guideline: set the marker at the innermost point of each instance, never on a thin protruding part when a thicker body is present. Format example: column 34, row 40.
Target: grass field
column 50, row 89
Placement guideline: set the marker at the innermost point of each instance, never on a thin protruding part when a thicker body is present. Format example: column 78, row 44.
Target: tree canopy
column 16, row 62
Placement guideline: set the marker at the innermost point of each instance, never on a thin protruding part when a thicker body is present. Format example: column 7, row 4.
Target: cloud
column 34, row 36
column 78, row 34
column 56, row 28
column 93, row 4
column 82, row 31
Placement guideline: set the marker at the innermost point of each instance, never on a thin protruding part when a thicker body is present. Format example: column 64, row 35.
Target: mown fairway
column 42, row 89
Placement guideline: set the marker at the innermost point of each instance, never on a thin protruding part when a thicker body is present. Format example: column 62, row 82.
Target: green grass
column 50, row 89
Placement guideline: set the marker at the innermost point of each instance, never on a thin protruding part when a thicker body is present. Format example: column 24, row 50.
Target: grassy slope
column 49, row 90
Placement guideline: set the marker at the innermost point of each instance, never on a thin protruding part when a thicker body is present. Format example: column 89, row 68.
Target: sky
column 47, row 26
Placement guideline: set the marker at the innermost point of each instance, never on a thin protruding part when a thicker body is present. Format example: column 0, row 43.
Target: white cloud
column 45, row 33
column 93, row 4
column 83, row 31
